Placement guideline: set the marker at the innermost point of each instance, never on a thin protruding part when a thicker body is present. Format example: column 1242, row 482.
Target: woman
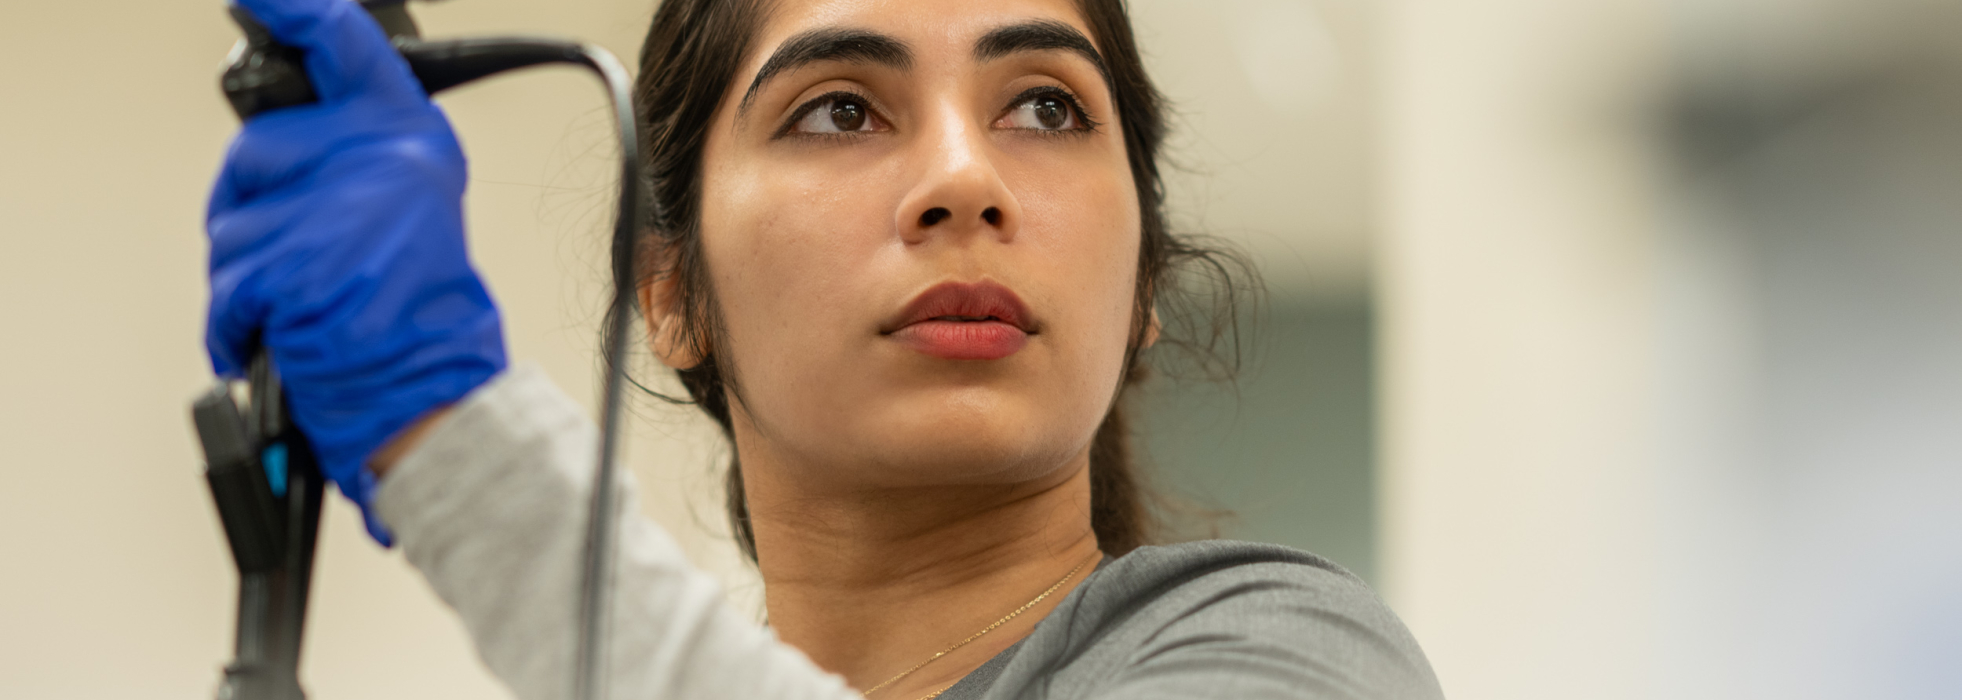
column 905, row 252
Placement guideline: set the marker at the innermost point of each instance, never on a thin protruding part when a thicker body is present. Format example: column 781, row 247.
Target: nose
column 960, row 194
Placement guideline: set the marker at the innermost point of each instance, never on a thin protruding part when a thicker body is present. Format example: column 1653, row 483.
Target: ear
column 1152, row 331
column 660, row 305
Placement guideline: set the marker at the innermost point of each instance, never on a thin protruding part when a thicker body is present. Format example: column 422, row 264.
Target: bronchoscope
column 259, row 467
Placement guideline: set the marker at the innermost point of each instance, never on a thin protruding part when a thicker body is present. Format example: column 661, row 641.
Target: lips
column 959, row 321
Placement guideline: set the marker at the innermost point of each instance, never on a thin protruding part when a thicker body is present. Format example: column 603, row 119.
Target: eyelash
column 1088, row 123
column 826, row 99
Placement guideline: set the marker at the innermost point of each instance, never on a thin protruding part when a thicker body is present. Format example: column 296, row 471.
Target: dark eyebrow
column 830, row 44
column 1039, row 35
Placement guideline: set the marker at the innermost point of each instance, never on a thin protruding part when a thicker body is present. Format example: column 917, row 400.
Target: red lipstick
column 957, row 321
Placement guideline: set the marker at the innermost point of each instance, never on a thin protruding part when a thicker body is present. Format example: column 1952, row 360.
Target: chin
column 962, row 440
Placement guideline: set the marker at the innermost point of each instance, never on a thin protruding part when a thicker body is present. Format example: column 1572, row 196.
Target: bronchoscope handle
column 263, row 74
column 273, row 534
column 267, row 490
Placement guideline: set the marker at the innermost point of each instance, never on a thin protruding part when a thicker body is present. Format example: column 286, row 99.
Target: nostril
column 992, row 216
column 934, row 216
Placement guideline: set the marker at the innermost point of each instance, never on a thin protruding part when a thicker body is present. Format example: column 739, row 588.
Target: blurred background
column 1617, row 343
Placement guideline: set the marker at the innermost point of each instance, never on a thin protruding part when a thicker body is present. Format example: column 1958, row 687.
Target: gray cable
column 596, row 575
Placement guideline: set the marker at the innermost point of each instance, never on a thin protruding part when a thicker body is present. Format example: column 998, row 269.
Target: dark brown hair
column 688, row 63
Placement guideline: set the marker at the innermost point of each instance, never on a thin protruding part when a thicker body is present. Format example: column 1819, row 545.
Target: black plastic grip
column 263, row 74
column 246, row 507
column 272, row 531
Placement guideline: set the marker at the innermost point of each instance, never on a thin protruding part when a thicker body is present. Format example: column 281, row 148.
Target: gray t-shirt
column 1212, row 619
column 491, row 505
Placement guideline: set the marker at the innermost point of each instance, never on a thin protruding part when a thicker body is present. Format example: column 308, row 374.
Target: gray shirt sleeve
column 491, row 507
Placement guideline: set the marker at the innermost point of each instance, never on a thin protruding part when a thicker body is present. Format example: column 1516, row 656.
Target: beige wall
column 1669, row 346
column 1273, row 132
column 1516, row 275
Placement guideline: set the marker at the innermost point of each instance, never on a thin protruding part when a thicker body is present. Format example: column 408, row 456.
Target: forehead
column 931, row 27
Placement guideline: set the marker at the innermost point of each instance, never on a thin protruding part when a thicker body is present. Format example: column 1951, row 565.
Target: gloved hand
column 337, row 244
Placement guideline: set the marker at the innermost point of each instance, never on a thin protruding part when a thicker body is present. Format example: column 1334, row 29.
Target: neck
column 871, row 583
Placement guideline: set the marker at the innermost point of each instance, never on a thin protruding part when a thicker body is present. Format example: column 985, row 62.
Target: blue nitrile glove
column 337, row 243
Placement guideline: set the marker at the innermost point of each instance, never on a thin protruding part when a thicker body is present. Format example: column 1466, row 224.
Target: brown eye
column 1052, row 113
column 836, row 113
column 847, row 116
column 1043, row 112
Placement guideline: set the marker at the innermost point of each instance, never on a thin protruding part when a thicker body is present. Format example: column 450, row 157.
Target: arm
column 490, row 504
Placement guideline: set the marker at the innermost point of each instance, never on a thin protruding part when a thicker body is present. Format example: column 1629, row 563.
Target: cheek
column 1084, row 227
column 789, row 251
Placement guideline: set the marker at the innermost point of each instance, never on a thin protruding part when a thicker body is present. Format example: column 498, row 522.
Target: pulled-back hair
column 687, row 65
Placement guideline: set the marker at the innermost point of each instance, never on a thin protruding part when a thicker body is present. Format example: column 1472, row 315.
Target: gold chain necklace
column 977, row 635
column 934, row 694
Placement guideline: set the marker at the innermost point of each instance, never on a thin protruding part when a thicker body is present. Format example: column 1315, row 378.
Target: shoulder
column 1260, row 594
column 1220, row 619
column 1203, row 570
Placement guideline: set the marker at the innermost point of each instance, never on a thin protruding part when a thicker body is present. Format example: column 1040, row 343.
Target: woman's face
column 923, row 236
